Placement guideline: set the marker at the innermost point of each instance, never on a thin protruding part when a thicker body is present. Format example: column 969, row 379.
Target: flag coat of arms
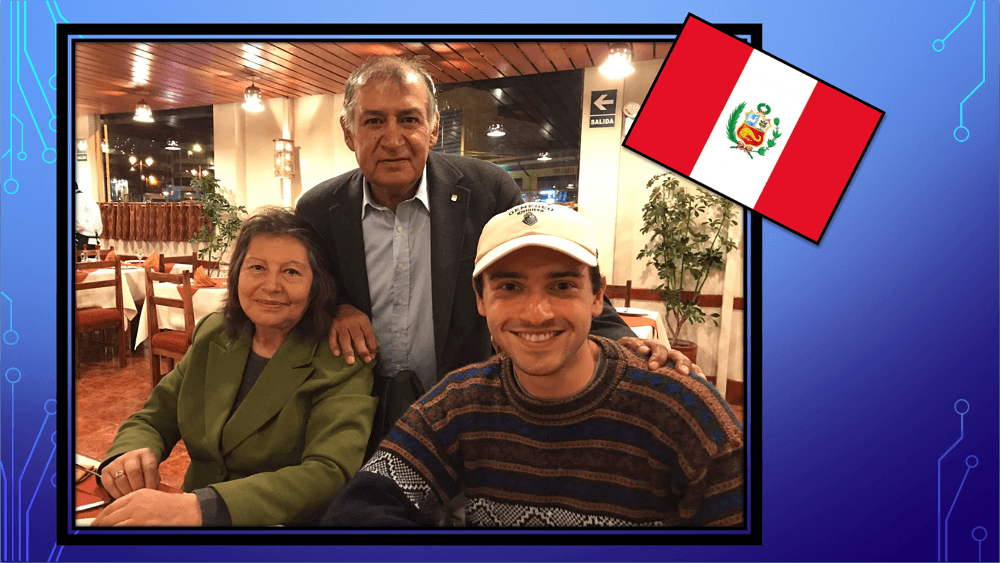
column 753, row 128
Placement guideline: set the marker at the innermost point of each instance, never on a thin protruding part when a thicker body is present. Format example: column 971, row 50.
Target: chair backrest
column 620, row 291
column 183, row 259
column 209, row 264
column 115, row 282
column 82, row 255
column 183, row 283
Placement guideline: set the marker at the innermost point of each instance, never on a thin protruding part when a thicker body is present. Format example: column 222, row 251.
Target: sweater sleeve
column 409, row 481
column 373, row 500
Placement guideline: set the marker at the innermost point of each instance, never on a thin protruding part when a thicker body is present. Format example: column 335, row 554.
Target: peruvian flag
column 753, row 128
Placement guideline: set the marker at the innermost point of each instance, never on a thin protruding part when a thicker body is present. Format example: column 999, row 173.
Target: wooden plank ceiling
column 111, row 77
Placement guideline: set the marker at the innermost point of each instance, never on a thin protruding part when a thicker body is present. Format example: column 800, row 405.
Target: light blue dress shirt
column 398, row 259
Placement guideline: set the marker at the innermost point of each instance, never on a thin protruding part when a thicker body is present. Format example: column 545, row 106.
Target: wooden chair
column 210, row 264
column 171, row 344
column 84, row 255
column 191, row 259
column 103, row 255
column 97, row 318
column 186, row 259
column 620, row 291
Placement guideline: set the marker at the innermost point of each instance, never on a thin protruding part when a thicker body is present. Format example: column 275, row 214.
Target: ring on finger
column 118, row 473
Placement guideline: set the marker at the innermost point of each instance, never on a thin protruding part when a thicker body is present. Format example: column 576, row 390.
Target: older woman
column 273, row 421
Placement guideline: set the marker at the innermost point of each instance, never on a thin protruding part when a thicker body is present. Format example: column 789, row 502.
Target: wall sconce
column 283, row 165
column 619, row 62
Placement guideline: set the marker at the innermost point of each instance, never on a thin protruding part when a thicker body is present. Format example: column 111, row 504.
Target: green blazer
column 295, row 439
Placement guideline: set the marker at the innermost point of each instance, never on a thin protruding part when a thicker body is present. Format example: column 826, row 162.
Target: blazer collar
column 349, row 241
column 449, row 210
column 285, row 372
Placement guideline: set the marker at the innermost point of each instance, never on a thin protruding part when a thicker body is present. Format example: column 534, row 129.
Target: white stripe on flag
column 732, row 172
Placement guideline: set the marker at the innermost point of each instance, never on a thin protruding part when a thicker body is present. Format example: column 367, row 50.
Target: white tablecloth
column 647, row 331
column 104, row 297
column 205, row 301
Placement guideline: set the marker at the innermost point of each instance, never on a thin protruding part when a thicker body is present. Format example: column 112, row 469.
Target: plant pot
column 686, row 347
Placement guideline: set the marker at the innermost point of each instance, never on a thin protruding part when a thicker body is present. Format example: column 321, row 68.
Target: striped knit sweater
column 633, row 448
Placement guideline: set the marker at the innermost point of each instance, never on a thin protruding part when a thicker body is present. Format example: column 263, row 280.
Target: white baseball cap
column 536, row 224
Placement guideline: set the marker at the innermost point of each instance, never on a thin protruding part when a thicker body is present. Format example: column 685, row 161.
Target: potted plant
column 689, row 239
column 221, row 222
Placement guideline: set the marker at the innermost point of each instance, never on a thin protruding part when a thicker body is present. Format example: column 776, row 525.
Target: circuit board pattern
column 27, row 423
column 961, row 132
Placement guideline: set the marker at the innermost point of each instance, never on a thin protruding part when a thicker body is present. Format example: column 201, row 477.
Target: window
column 157, row 161
column 540, row 116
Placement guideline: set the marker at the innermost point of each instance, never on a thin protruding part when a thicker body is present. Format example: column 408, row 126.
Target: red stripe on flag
column 690, row 93
column 817, row 161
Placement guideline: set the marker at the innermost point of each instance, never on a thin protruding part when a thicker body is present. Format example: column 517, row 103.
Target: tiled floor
column 105, row 396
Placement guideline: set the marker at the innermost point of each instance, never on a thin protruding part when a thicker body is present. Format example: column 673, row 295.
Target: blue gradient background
column 868, row 339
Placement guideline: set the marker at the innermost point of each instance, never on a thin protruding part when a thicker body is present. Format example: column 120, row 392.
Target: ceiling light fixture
column 619, row 61
column 252, row 99
column 495, row 130
column 544, row 157
column 143, row 113
column 172, row 145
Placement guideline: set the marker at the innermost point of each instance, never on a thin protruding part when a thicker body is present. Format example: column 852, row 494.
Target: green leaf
column 733, row 120
column 770, row 143
column 761, row 151
column 688, row 236
column 777, row 121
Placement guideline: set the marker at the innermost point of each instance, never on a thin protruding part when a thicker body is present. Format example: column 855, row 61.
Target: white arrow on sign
column 603, row 101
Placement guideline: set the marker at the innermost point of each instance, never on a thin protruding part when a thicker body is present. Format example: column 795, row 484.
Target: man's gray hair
column 393, row 68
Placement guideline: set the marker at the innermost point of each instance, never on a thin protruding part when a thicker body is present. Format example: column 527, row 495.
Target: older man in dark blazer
column 402, row 232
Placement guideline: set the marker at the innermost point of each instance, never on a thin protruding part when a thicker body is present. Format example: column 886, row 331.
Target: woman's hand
column 137, row 469
column 349, row 325
column 658, row 353
column 147, row 507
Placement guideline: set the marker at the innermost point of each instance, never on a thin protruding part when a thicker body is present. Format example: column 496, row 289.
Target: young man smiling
column 562, row 428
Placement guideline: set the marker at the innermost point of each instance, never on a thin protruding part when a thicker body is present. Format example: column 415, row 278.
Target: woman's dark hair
column 279, row 221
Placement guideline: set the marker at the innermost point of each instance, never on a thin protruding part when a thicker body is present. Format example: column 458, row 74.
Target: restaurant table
column 645, row 323
column 205, row 301
column 88, row 491
column 135, row 275
column 104, row 297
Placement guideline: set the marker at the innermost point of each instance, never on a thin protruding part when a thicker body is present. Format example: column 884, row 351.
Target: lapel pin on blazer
column 454, row 197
